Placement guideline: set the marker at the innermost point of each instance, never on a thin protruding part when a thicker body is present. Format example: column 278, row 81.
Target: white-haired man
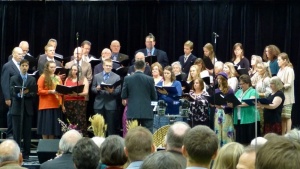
column 10, row 155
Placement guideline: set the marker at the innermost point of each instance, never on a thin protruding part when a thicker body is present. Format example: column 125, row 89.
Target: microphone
column 215, row 34
column 77, row 35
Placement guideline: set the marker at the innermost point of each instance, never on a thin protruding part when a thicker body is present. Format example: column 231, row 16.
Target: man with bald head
column 10, row 155
column 10, row 69
column 105, row 54
column 66, row 145
column 140, row 56
column 115, row 49
column 174, row 141
column 85, row 66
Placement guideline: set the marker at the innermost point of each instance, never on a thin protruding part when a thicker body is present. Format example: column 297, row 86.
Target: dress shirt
column 16, row 63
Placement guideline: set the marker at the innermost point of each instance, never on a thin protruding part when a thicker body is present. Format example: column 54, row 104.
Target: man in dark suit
column 150, row 50
column 138, row 92
column 115, row 49
column 22, row 109
column 140, row 57
column 10, row 69
column 52, row 42
column 105, row 54
column 66, row 145
column 188, row 59
column 49, row 53
column 105, row 101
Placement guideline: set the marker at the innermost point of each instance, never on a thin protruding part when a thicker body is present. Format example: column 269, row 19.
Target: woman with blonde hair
column 287, row 76
column 157, row 72
column 254, row 61
column 194, row 73
column 208, row 51
column 228, row 156
column 232, row 75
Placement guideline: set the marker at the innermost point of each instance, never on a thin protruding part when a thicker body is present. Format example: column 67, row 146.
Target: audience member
column 228, row 156
column 86, row 154
column 174, row 141
column 278, row 153
column 258, row 141
column 112, row 152
column 200, row 146
column 138, row 145
column 161, row 160
column 247, row 159
column 293, row 135
column 66, row 145
column 10, row 155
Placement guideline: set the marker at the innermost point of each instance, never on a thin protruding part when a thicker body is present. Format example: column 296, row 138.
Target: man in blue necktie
column 106, row 97
column 22, row 106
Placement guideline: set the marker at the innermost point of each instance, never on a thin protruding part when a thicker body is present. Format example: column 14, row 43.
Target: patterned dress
column 224, row 123
column 199, row 109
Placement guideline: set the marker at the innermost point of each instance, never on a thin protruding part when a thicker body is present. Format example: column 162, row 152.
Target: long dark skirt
column 76, row 113
column 245, row 133
column 48, row 123
column 272, row 128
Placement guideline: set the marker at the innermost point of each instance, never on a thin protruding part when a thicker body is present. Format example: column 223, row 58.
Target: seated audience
column 86, row 154
column 200, row 146
column 293, row 135
column 174, row 141
column 138, row 145
column 228, row 156
column 278, row 153
column 161, row 160
column 66, row 145
column 10, row 155
column 258, row 141
column 112, row 152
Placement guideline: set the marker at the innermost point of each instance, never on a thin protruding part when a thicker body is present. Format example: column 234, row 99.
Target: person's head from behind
column 200, row 146
column 138, row 144
column 86, row 154
column 139, row 65
column 280, row 153
column 293, row 135
column 10, row 152
column 161, row 160
column 228, row 156
column 175, row 135
column 69, row 140
column 112, row 151
column 247, row 158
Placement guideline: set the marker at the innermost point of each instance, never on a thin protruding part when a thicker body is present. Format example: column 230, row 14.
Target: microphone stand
column 77, row 44
column 22, row 114
column 214, row 80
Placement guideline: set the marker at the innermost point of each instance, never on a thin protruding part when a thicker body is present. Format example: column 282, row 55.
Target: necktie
column 185, row 58
column 149, row 53
column 105, row 77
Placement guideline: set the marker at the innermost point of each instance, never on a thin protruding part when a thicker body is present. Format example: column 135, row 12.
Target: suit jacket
column 186, row 65
column 162, row 57
column 42, row 61
column 147, row 70
column 139, row 91
column 64, row 162
column 99, row 68
column 9, row 69
column 103, row 98
column 86, row 69
column 28, row 98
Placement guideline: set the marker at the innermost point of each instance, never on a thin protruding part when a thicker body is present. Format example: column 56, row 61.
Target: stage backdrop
column 253, row 23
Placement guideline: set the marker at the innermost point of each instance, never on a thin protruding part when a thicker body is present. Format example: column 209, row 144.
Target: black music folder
column 221, row 99
column 124, row 62
column 206, row 80
column 241, row 71
column 169, row 89
column 93, row 61
column 69, row 89
column 61, row 71
column 251, row 102
column 151, row 59
column 116, row 84
column 207, row 62
column 187, row 96
column 32, row 88
column 121, row 71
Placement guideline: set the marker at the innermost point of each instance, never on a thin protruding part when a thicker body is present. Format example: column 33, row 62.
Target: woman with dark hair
column 272, row 111
column 270, row 56
column 238, row 58
column 172, row 99
column 75, row 103
column 223, row 117
column 244, row 114
column 287, row 76
column 50, row 103
column 112, row 152
column 199, row 106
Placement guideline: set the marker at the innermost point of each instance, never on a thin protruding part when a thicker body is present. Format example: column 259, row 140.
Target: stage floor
column 31, row 163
